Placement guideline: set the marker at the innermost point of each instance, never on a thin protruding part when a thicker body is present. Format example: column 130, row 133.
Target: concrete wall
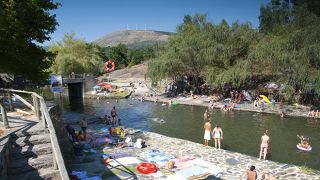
column 61, row 132
column 4, row 156
column 89, row 82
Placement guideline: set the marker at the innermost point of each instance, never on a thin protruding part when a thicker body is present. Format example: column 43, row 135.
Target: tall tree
column 24, row 24
column 75, row 55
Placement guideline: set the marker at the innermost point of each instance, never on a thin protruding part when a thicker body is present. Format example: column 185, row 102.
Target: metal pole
column 4, row 115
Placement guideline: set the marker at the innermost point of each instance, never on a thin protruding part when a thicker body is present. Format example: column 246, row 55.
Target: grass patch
column 306, row 169
column 120, row 94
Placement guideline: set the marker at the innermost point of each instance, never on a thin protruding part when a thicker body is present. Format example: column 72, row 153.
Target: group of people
column 229, row 107
column 251, row 174
column 81, row 135
column 216, row 133
column 314, row 113
column 112, row 120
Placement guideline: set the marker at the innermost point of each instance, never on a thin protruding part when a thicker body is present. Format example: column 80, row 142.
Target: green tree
column 75, row 55
column 24, row 24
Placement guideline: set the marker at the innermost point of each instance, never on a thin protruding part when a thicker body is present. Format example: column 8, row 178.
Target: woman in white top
column 217, row 135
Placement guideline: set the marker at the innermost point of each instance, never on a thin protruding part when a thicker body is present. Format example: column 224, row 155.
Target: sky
column 92, row 19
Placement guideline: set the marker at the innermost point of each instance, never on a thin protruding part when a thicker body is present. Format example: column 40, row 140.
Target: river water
column 242, row 130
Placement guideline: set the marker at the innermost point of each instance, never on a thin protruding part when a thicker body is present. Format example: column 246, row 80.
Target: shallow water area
column 242, row 130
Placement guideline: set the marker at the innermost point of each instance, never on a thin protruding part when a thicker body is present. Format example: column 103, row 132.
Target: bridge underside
column 75, row 90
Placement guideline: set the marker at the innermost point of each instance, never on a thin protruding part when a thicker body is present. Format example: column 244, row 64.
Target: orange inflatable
column 146, row 168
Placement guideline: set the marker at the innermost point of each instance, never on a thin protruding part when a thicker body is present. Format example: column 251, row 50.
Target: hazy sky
column 91, row 19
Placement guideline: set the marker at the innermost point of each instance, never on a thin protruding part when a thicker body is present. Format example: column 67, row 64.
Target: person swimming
column 304, row 142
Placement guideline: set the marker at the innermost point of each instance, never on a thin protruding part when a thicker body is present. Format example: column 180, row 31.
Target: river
column 242, row 130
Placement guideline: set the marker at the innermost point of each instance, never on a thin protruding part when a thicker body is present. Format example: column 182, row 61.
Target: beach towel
column 183, row 162
column 192, row 171
column 104, row 129
column 93, row 178
column 124, row 161
column 175, row 177
column 211, row 168
column 105, row 140
column 155, row 156
column 116, row 155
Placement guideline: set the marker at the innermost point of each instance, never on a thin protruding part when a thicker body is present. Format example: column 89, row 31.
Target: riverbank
column 232, row 165
column 142, row 89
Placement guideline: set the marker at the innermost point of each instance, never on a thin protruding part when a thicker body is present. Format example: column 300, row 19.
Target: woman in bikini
column 264, row 145
column 217, row 136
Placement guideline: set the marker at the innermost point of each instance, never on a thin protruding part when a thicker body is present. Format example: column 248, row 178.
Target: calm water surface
column 242, row 130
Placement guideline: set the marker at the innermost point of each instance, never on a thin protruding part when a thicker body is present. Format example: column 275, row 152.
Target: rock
column 232, row 161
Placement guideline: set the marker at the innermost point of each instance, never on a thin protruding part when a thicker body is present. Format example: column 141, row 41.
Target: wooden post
column 36, row 106
column 4, row 115
column 10, row 101
column 55, row 165
column 24, row 101
column 43, row 119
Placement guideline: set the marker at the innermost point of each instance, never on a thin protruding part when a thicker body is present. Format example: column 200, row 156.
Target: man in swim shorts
column 113, row 116
column 264, row 145
column 207, row 130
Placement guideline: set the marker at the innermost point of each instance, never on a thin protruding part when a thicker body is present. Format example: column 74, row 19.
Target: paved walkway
column 232, row 164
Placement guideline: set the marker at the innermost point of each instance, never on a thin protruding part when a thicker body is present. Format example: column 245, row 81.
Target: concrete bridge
column 78, row 84
column 29, row 147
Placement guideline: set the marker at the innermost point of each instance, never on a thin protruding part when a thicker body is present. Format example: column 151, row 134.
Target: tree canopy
column 23, row 25
column 285, row 50
column 75, row 55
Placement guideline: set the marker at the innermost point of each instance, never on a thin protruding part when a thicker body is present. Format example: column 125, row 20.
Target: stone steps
column 31, row 151
column 23, row 165
column 32, row 140
column 23, row 133
column 46, row 173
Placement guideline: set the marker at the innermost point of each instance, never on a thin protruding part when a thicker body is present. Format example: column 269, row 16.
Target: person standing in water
column 84, row 125
column 207, row 130
column 217, row 134
column 206, row 115
column 113, row 116
column 264, row 145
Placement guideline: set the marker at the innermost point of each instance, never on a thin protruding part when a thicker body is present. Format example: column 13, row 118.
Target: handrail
column 45, row 117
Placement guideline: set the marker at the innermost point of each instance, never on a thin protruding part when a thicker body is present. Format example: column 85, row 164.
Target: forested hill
column 133, row 38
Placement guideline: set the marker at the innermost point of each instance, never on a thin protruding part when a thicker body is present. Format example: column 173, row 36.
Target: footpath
column 190, row 160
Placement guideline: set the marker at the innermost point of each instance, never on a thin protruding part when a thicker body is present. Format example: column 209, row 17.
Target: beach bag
column 170, row 164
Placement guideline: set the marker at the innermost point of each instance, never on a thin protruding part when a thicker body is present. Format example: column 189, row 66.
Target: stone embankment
column 233, row 165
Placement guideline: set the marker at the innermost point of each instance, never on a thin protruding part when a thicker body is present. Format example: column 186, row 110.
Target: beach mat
column 124, row 161
column 155, row 156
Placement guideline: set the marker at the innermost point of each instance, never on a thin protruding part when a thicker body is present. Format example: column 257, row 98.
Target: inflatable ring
column 109, row 66
column 304, row 149
column 147, row 168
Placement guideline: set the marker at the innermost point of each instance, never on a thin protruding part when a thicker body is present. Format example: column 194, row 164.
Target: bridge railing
column 41, row 111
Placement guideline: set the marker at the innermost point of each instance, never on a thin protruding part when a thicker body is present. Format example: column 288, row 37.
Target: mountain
column 133, row 38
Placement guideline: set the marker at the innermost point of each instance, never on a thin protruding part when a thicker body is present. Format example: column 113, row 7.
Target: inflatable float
column 265, row 98
column 304, row 149
column 147, row 168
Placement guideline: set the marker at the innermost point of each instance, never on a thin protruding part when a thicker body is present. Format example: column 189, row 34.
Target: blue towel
column 155, row 156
